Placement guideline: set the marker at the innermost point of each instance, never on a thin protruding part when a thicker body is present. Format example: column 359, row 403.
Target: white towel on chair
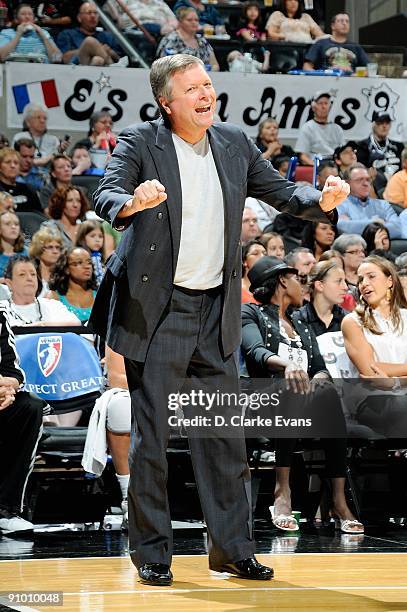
column 95, row 451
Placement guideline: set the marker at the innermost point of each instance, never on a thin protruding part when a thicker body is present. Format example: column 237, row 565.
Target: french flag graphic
column 42, row 92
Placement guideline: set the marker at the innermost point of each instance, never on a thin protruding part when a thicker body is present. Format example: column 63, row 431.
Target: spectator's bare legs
column 93, row 53
column 69, row 419
column 119, row 445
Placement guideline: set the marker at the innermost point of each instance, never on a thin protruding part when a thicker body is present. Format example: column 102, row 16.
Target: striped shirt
column 29, row 43
column 9, row 361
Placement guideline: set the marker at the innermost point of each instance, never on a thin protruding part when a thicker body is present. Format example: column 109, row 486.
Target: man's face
column 25, row 15
column 304, row 262
column 250, row 228
column 26, row 158
column 321, row 108
column 341, row 25
column 381, row 130
column 325, row 172
column 88, row 16
column 347, row 157
column 359, row 183
column 192, row 104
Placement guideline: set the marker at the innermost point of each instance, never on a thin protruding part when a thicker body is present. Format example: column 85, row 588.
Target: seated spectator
column 336, row 51
column 28, row 38
column 348, row 303
column 245, row 62
column 327, row 288
column 319, row 137
column 208, row 14
column 35, row 127
column 274, row 244
column 375, row 336
column 281, row 164
column 268, row 142
column 319, row 236
column 11, row 239
column 73, row 282
column 6, row 202
column 29, row 174
column 25, row 308
column 4, row 141
column 359, row 208
column 67, row 208
column 90, row 237
column 60, row 175
column 57, row 14
column 112, row 238
column 252, row 251
column 185, row 39
column 396, row 188
column 100, row 134
column 325, row 169
column 155, row 15
column 86, row 44
column 250, row 226
column 25, row 198
column 82, row 164
column 345, row 156
column 302, row 259
column 277, row 346
column 20, row 432
column 352, row 247
column 113, row 429
column 45, row 248
column 376, row 236
column 251, row 27
column 292, row 24
column 379, row 152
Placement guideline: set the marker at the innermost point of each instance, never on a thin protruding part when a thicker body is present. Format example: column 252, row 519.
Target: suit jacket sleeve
column 120, row 179
column 265, row 183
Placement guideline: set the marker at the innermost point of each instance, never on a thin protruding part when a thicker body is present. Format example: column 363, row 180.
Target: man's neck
column 321, row 121
column 87, row 32
column 21, row 300
column 190, row 137
column 339, row 38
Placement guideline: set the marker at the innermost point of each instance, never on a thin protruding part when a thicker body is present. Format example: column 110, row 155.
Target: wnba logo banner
column 59, row 367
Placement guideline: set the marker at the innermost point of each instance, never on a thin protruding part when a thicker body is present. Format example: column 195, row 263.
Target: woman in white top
column 24, row 307
column 375, row 336
column 45, row 248
column 292, row 24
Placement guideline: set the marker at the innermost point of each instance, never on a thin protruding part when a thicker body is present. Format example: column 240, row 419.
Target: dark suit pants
column 20, row 431
column 185, row 347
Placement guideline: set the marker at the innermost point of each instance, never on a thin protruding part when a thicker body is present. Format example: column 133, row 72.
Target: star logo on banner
column 103, row 81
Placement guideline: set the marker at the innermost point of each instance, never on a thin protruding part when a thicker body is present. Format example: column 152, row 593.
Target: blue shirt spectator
column 72, row 38
column 208, row 14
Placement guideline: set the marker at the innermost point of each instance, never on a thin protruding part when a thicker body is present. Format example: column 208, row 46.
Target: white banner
column 73, row 93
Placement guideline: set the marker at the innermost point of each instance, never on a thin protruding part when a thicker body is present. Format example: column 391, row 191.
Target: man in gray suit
column 170, row 300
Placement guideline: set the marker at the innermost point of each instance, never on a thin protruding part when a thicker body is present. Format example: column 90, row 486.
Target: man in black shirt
column 336, row 51
column 25, row 198
column 380, row 153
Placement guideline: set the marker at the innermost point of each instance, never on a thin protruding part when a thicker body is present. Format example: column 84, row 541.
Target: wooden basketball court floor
column 305, row 581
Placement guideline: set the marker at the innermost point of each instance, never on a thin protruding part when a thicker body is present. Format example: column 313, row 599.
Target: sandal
column 345, row 526
column 283, row 518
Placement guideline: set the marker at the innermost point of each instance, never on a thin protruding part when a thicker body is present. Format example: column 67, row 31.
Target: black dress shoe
column 249, row 569
column 156, row 574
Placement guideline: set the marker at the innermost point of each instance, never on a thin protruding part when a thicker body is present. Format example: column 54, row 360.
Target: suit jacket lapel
column 166, row 163
column 223, row 153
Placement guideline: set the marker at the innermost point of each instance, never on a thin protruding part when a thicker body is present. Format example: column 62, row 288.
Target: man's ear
column 164, row 104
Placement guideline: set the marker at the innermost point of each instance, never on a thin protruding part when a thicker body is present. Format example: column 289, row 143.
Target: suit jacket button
column 153, row 247
column 144, row 278
column 234, row 274
column 159, row 215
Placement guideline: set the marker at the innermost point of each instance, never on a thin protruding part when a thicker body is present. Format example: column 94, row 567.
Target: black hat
column 339, row 150
column 265, row 268
column 381, row 117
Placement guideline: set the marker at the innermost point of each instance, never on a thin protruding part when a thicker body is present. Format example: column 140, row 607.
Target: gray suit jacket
column 139, row 279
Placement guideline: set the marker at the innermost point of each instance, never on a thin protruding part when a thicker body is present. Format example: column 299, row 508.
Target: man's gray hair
column 291, row 257
column 404, row 155
column 164, row 68
column 348, row 172
column 401, row 261
column 343, row 242
column 32, row 108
